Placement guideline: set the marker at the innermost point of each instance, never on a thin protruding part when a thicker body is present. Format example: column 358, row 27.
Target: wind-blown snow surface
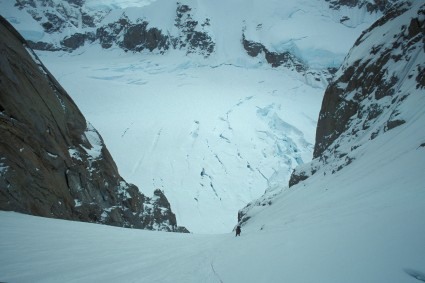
column 361, row 224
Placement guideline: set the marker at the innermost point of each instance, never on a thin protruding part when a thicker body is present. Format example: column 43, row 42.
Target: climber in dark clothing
column 238, row 231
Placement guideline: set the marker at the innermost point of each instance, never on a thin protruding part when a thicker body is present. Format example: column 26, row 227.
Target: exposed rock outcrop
column 192, row 34
column 371, row 6
column 76, row 40
column 129, row 35
column 139, row 36
column 52, row 162
column 286, row 59
column 383, row 69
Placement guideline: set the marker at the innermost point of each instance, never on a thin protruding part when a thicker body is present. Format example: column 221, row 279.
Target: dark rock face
column 135, row 36
column 287, row 60
column 376, row 5
column 275, row 59
column 40, row 45
column 52, row 162
column 138, row 37
column 296, row 178
column 365, row 98
column 77, row 40
column 108, row 34
column 53, row 23
column 192, row 34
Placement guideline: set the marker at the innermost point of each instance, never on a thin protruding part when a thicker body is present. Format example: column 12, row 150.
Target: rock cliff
column 368, row 95
column 53, row 163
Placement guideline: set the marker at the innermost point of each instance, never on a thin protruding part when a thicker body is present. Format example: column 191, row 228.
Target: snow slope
column 363, row 224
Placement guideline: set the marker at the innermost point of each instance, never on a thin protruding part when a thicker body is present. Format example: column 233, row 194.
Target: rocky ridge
column 53, row 163
column 384, row 68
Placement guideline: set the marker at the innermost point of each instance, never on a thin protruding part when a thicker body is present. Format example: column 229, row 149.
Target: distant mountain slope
column 279, row 34
column 52, row 162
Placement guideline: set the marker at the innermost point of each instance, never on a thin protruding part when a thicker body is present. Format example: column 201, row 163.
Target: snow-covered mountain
column 353, row 214
column 361, row 223
column 163, row 100
column 194, row 26
column 280, row 34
